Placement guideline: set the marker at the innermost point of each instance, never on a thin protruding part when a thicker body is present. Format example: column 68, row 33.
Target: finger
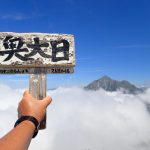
column 46, row 101
column 26, row 92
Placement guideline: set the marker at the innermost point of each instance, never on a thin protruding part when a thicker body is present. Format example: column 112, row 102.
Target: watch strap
column 29, row 118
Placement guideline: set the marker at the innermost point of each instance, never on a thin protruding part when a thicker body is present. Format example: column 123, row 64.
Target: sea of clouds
column 85, row 120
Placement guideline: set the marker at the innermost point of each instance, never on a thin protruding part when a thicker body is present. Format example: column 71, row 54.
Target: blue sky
column 112, row 36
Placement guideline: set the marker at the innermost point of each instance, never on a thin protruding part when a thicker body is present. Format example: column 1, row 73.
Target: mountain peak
column 109, row 84
column 105, row 77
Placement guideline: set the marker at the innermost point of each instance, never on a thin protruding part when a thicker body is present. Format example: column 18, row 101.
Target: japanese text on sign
column 31, row 50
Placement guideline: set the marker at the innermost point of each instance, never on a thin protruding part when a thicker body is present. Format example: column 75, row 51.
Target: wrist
column 37, row 116
column 29, row 124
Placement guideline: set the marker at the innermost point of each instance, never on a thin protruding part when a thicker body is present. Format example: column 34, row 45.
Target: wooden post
column 37, row 88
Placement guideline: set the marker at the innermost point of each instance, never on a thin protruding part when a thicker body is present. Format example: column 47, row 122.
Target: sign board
column 25, row 53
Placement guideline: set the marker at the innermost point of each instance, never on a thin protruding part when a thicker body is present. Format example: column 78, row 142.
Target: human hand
column 33, row 107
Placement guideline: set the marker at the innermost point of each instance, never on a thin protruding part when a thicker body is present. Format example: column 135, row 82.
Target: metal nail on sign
column 26, row 53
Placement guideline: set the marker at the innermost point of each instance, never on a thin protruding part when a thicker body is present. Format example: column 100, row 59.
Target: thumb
column 46, row 101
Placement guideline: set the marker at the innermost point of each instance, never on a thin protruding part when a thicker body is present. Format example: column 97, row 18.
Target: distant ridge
column 111, row 85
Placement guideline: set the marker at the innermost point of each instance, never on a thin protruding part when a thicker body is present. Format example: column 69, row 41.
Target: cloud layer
column 86, row 120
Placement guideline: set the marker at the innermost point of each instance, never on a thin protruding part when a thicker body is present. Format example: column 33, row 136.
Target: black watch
column 32, row 119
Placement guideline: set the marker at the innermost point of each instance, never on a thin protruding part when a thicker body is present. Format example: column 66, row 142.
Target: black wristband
column 29, row 118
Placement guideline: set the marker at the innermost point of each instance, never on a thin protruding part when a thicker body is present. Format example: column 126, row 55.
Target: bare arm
column 20, row 137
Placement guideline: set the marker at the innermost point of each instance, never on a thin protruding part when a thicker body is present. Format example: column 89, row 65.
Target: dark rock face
column 111, row 85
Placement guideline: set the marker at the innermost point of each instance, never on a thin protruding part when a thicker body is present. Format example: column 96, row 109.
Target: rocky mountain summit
column 111, row 85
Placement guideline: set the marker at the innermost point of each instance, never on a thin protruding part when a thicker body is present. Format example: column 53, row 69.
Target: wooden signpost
column 36, row 54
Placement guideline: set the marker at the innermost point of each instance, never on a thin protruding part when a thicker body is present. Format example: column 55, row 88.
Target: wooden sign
column 26, row 53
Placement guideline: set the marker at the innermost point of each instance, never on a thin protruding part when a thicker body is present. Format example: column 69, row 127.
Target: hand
column 33, row 107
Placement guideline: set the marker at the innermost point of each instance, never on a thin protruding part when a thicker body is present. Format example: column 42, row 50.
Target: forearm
column 19, row 138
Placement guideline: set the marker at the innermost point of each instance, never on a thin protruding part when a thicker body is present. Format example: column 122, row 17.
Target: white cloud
column 20, row 16
column 86, row 120
column 14, row 16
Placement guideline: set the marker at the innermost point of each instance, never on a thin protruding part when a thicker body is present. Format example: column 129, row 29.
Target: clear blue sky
column 112, row 36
